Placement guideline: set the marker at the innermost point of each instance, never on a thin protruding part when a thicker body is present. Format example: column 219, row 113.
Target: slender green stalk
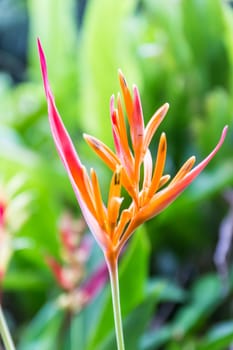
column 72, row 331
column 4, row 331
column 114, row 280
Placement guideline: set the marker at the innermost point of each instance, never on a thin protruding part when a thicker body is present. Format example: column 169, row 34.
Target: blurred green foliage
column 175, row 51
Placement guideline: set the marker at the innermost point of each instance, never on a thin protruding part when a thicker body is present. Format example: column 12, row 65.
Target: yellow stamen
column 83, row 184
column 114, row 200
column 147, row 170
column 113, row 213
column 124, row 219
column 159, row 165
column 164, row 179
column 186, row 167
column 129, row 185
column 127, row 97
column 103, row 151
column 143, row 196
column 99, row 206
column 153, row 125
column 115, row 186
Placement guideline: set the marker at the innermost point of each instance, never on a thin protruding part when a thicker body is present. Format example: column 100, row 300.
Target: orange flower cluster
column 71, row 272
column 110, row 225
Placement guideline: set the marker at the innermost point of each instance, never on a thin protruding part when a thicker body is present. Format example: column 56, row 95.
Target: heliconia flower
column 70, row 272
column 77, row 294
column 94, row 283
column 71, row 234
column 75, row 251
column 110, row 225
column 84, row 294
column 65, row 277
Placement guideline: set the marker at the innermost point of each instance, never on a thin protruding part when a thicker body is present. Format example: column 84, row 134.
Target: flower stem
column 114, row 280
column 4, row 331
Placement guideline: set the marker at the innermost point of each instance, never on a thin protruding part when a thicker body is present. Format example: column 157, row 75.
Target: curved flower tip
column 43, row 66
column 160, row 200
column 61, row 137
column 181, row 181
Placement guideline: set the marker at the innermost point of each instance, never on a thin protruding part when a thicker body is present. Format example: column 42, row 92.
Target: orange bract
column 111, row 226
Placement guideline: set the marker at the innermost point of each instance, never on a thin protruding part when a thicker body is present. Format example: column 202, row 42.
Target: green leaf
column 43, row 331
column 170, row 21
column 53, row 22
column 218, row 338
column 169, row 291
column 157, row 337
column 206, row 295
column 47, row 22
column 31, row 280
column 216, row 103
column 206, row 42
column 77, row 333
column 20, row 106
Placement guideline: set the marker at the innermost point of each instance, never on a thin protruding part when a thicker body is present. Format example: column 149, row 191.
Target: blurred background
column 176, row 275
